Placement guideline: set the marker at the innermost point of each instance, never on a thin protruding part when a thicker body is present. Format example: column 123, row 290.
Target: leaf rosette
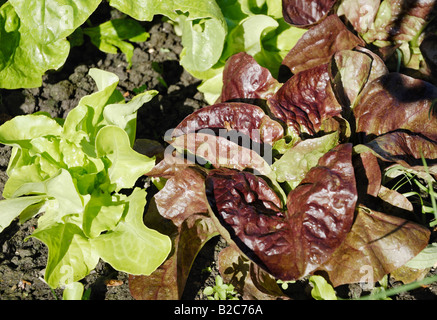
column 318, row 203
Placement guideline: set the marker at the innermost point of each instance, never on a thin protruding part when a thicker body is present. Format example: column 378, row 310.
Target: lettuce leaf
column 51, row 20
column 203, row 27
column 23, row 59
column 111, row 35
column 307, row 12
column 72, row 173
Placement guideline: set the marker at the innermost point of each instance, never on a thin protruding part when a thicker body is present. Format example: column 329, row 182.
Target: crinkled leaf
column 102, row 213
column 20, row 130
column 131, row 246
column 307, row 12
column 127, row 165
column 319, row 43
column 68, row 199
column 23, row 60
column 124, row 115
column 244, row 78
column 377, row 244
column 248, row 213
column 306, row 100
column 352, row 70
column 244, row 118
column 203, row 27
column 221, row 152
column 168, row 281
column 405, row 99
column 321, row 211
column 399, row 20
column 51, row 20
column 319, row 215
column 86, row 119
column 111, row 35
column 182, row 196
column 405, row 149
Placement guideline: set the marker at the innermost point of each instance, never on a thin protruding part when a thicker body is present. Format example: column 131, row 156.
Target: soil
column 156, row 66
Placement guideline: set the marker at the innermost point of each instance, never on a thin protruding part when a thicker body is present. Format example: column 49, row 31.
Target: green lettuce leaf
column 297, row 161
column 12, row 208
column 71, row 256
column 51, row 20
column 71, row 171
column 23, row 60
column 127, row 165
column 124, row 115
column 131, row 246
column 203, row 24
column 111, row 35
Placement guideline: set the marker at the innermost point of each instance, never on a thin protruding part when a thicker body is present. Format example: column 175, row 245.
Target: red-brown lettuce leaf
column 303, row 13
column 352, row 71
column 289, row 246
column 377, row 244
column 428, row 47
column 306, row 100
column 249, row 213
column 244, row 118
column 396, row 101
column 368, row 174
column 319, row 43
column 221, row 152
column 249, row 280
column 400, row 20
column 406, row 149
column 172, row 163
column 321, row 210
column 182, row 196
column 168, row 281
column 244, row 78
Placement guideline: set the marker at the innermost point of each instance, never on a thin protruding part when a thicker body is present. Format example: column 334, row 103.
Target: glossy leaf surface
column 244, row 78
column 377, row 244
column 307, row 12
column 319, row 43
column 244, row 118
column 288, row 245
column 405, row 99
column 306, row 100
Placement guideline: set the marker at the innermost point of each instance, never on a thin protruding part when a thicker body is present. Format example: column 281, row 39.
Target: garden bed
column 155, row 65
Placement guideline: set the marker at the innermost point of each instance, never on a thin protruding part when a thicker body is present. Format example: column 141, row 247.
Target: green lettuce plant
column 81, row 173
column 34, row 37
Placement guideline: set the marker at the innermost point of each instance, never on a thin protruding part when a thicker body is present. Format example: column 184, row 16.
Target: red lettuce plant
column 290, row 174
